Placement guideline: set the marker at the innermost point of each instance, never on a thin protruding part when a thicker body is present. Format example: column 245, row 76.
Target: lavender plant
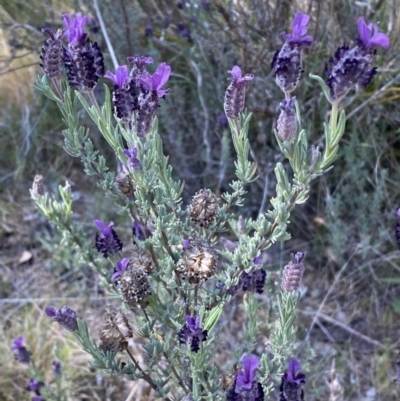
column 176, row 277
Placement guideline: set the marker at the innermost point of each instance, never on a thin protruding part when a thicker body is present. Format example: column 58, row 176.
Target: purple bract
column 370, row 36
column 75, row 28
column 299, row 31
column 121, row 77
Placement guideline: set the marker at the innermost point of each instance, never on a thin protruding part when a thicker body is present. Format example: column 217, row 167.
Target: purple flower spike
column 397, row 229
column 299, row 28
column 186, row 243
column 21, row 354
column 292, row 381
column 83, row 59
column 370, row 35
column 235, row 93
column 121, row 77
column 121, row 266
column 192, row 334
column 51, row 55
column 34, row 386
column 65, row 317
column 108, row 242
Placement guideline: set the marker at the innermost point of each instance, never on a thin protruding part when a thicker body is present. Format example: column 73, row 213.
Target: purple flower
column 235, row 93
column 75, row 28
column 34, row 386
column 156, row 81
column 351, row 66
column 192, row 334
column 299, row 31
column 223, row 121
column 57, row 368
column 184, row 31
column 121, row 266
column 83, row 59
column 133, row 161
column 370, row 36
column 397, row 230
column 65, row 317
column 180, row 4
column 292, row 381
column 246, row 387
column 107, row 242
column 21, row 354
column 121, row 77
column 253, row 282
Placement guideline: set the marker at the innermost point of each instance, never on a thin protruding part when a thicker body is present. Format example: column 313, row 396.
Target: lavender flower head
column 83, row 59
column 34, row 386
column 107, row 242
column 51, row 55
column 65, row 317
column 57, row 368
column 287, row 62
column 292, row 381
column 21, row 354
column 351, row 66
column 246, row 387
column 133, row 161
column 152, row 88
column 192, row 334
column 121, row 266
column 235, row 93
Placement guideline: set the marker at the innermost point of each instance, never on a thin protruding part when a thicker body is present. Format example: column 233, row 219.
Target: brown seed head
column 293, row 272
column 203, row 208
column 141, row 259
column 198, row 262
column 115, row 331
column 125, row 183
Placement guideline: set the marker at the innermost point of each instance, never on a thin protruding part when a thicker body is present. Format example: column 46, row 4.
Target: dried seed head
column 287, row 121
column 133, row 282
column 198, row 262
column 115, row 331
column 125, row 183
column 51, row 55
column 203, row 208
column 141, row 259
column 37, row 185
column 293, row 272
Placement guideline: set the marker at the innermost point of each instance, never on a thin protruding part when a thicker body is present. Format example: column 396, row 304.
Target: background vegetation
column 350, row 308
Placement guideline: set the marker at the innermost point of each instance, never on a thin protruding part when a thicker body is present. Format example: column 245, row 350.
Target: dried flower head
column 21, row 354
column 203, row 208
column 287, row 121
column 133, row 278
column 292, row 381
column 51, row 55
column 83, row 59
column 287, row 62
column 235, row 93
column 65, row 317
column 198, row 262
column 245, row 386
column 124, row 182
column 37, row 185
column 351, row 66
column 192, row 334
column 293, row 272
column 115, row 331
column 107, row 242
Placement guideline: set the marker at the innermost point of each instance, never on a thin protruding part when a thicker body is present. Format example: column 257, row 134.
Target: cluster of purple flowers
column 192, row 334
column 65, row 317
column 21, row 353
column 138, row 91
column 82, row 58
column 35, row 386
column 107, row 242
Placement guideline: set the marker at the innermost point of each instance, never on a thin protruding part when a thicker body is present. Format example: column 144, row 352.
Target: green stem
column 334, row 116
